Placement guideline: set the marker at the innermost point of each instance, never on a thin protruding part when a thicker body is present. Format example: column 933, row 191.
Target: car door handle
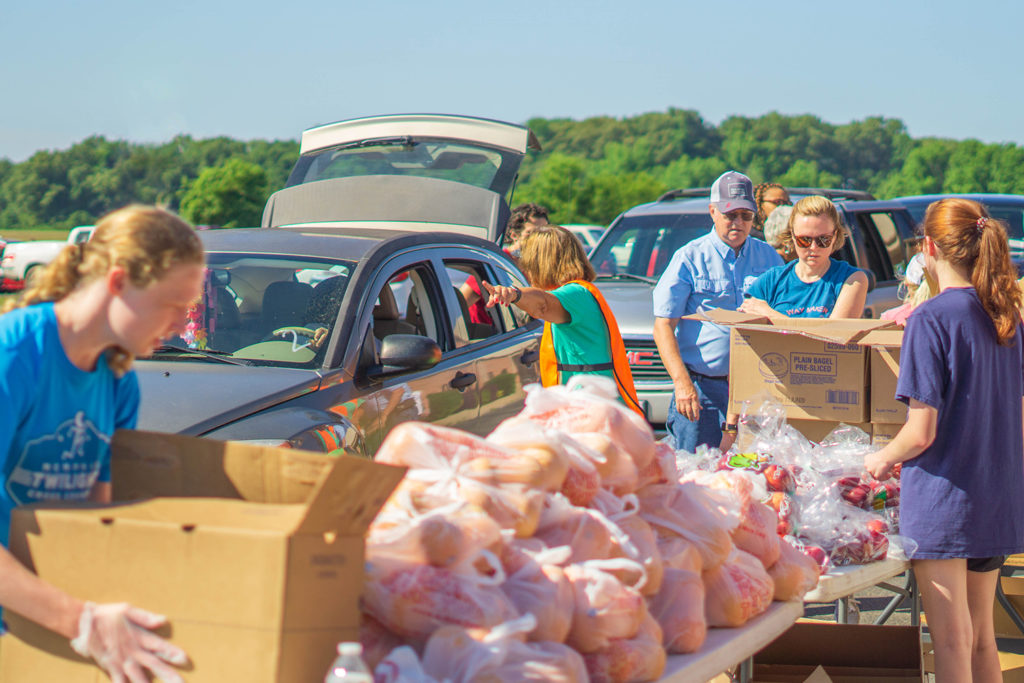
column 462, row 380
column 529, row 356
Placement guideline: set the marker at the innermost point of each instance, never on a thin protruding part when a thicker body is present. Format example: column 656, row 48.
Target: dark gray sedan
column 325, row 338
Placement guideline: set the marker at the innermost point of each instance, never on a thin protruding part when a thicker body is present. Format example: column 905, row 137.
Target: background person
column 918, row 288
column 815, row 285
column 774, row 227
column 709, row 272
column 580, row 332
column 521, row 222
column 66, row 384
column 768, row 197
column 962, row 447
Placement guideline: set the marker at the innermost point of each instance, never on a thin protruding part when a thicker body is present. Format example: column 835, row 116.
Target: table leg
column 747, row 670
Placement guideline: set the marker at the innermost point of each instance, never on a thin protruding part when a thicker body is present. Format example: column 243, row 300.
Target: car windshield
column 457, row 161
column 643, row 245
column 266, row 310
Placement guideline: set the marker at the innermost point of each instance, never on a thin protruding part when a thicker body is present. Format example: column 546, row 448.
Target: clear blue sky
column 145, row 71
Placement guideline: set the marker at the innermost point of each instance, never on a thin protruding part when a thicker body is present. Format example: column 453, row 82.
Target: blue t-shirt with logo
column 788, row 294
column 56, row 420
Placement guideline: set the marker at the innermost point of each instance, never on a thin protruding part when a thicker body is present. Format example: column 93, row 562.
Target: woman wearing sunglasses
column 814, row 285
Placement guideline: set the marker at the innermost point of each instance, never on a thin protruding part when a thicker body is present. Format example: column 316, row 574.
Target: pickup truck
column 638, row 245
column 21, row 258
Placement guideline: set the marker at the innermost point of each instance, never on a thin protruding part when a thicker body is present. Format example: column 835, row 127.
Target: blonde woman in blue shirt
column 815, row 285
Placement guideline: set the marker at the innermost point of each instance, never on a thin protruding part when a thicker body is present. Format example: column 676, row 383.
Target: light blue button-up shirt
column 703, row 274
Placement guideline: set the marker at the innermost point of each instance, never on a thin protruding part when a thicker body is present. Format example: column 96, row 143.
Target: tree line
column 588, row 171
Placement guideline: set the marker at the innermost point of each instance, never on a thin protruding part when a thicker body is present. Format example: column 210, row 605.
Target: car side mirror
column 408, row 352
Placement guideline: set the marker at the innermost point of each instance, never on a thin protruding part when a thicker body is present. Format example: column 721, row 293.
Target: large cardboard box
column 847, row 653
column 255, row 554
column 813, row 367
column 884, row 361
column 883, row 432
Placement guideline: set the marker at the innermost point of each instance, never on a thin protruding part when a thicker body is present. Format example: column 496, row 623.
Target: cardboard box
column 847, row 653
column 813, row 367
column 816, row 430
column 1013, row 589
column 883, row 433
column 255, row 555
column 884, row 361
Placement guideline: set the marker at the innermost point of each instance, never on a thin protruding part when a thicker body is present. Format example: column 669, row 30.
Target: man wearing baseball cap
column 709, row 272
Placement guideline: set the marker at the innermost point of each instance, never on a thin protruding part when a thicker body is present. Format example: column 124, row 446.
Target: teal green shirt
column 584, row 339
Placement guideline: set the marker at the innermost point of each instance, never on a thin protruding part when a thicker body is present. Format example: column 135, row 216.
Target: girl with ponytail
column 66, row 347
column 962, row 447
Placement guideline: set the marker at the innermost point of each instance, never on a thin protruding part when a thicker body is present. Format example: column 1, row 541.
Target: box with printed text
column 255, row 554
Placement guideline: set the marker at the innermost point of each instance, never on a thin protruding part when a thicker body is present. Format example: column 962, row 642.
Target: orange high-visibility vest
column 550, row 367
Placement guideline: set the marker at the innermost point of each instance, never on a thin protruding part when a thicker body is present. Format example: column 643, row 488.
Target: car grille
column 644, row 361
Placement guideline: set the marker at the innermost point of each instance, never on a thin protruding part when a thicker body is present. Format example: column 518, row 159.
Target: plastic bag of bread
column 538, row 586
column 402, row 665
column 662, row 468
column 413, row 600
column 630, row 660
column 693, row 513
column 619, row 473
column 534, row 445
column 587, row 532
column 757, row 533
column 605, row 608
column 679, row 610
column 794, row 573
column 643, row 543
column 737, row 590
column 499, row 655
column 443, row 537
column 678, row 553
column 377, row 641
column 579, row 412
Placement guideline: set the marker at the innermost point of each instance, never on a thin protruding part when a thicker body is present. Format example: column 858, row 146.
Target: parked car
column 21, row 259
column 639, row 244
column 341, row 317
column 1008, row 208
column 588, row 234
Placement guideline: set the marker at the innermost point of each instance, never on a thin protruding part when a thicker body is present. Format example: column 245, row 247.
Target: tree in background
column 230, row 195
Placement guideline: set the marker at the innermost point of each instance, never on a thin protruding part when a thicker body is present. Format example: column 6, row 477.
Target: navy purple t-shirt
column 964, row 495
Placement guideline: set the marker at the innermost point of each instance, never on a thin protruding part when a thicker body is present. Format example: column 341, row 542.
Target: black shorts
column 985, row 564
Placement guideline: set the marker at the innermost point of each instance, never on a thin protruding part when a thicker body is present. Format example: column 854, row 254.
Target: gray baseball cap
column 733, row 191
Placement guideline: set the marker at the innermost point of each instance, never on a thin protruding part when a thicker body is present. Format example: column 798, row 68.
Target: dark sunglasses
column 825, row 241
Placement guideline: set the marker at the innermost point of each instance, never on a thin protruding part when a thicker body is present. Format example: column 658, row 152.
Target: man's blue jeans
column 714, row 403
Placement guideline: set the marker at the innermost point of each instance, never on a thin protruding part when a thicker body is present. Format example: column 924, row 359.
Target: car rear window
column 643, row 245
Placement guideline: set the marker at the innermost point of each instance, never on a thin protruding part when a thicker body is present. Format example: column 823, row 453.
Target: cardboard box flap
column 884, row 337
column 724, row 316
column 189, row 514
column 152, row 465
column 349, row 496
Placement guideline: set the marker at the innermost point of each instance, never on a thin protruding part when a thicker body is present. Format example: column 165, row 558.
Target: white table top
column 727, row 647
column 839, row 582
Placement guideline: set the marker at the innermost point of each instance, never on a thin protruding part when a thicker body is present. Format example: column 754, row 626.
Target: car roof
column 983, row 197
column 352, row 244
column 700, row 205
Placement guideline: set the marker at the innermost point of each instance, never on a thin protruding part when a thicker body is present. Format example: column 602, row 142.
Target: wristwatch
column 730, row 429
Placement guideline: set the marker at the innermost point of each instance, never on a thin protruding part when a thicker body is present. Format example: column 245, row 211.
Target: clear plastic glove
column 118, row 637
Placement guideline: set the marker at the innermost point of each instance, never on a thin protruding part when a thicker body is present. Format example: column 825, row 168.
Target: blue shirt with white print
column 57, row 419
column 704, row 274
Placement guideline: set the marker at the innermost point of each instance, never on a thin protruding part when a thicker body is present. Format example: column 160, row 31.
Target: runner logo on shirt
column 60, row 466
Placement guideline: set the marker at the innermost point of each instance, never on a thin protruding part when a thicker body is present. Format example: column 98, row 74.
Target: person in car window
column 815, row 285
column 523, row 220
column 66, row 383
column 580, row 332
column 709, row 272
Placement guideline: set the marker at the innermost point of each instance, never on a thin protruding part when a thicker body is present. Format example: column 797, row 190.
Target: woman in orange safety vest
column 580, row 332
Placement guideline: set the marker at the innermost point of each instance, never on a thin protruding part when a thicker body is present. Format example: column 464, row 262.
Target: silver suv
column 640, row 242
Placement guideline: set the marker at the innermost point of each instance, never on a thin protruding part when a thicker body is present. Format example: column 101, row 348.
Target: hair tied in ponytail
column 981, row 223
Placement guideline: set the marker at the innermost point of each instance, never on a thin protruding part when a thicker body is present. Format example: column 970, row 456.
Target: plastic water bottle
column 349, row 667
